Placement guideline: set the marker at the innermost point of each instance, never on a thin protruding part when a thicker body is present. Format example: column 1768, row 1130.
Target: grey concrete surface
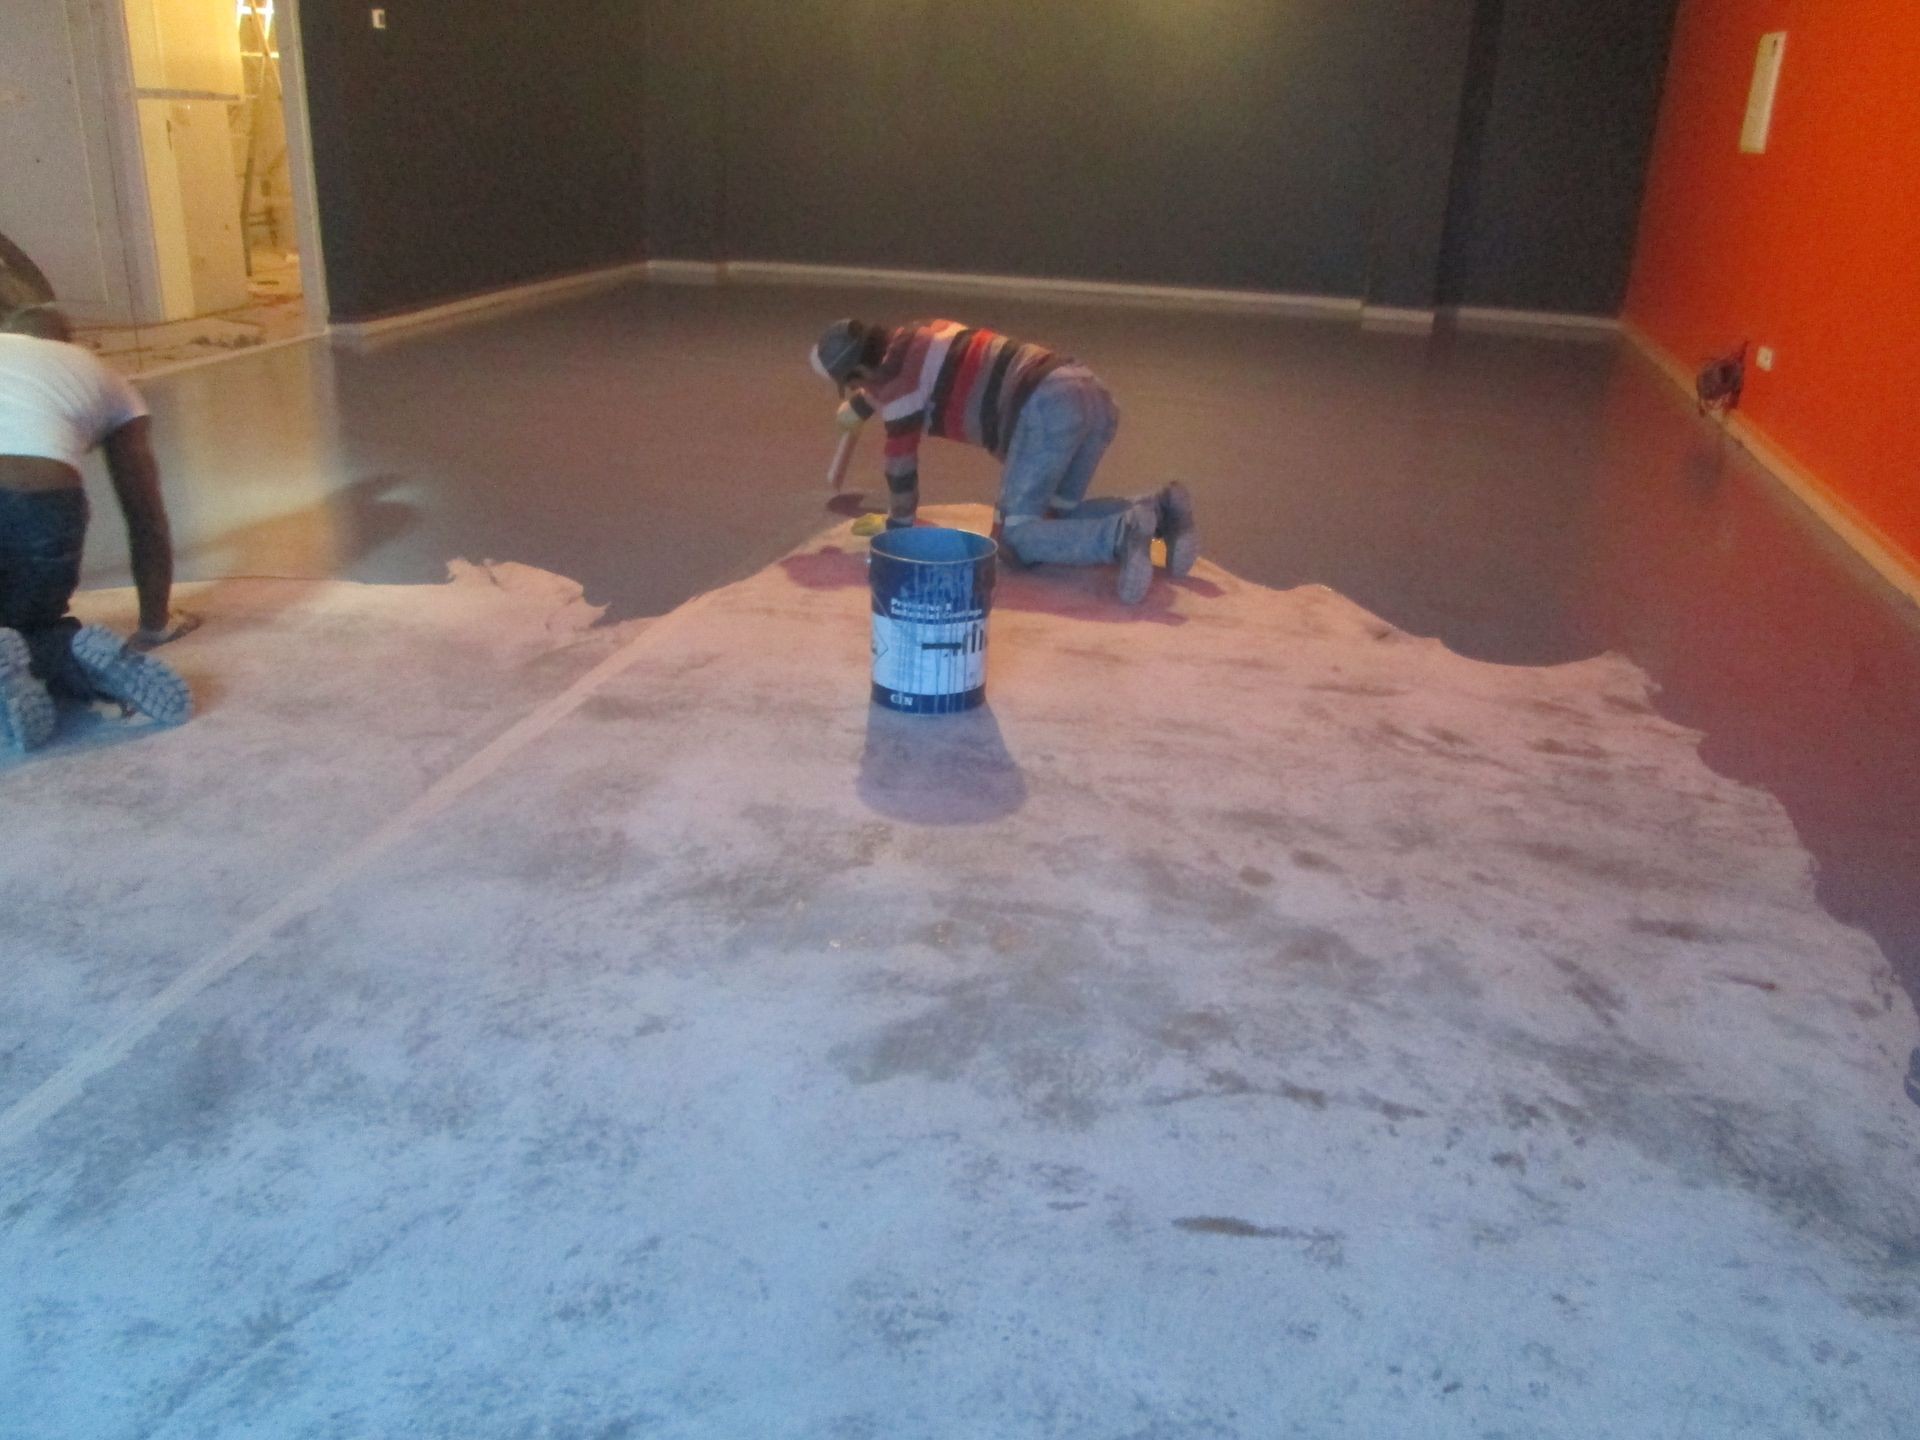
column 1526, row 501
column 1259, row 1021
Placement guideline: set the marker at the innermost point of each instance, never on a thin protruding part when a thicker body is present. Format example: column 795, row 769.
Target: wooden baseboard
column 1105, row 292
column 1108, row 292
column 1397, row 317
column 1861, row 535
column 490, row 300
column 686, row 272
column 1532, row 322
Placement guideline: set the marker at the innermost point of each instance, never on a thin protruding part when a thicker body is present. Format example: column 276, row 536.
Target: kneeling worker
column 1049, row 419
column 58, row 402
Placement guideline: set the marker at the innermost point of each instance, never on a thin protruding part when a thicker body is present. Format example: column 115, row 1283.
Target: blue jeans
column 1063, row 432
column 41, row 534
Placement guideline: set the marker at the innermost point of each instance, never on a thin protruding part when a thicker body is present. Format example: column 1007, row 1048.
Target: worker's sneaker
column 1177, row 529
column 135, row 681
column 1136, row 554
column 26, row 710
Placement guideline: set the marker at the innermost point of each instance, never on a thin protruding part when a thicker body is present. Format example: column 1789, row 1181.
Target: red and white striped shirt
column 941, row 378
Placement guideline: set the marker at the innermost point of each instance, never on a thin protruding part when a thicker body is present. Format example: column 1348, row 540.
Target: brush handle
column 842, row 456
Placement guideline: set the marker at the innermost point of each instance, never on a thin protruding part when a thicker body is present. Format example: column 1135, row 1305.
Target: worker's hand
column 179, row 623
column 848, row 418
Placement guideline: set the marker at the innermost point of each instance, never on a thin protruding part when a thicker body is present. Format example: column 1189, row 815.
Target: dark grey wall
column 687, row 85
column 1298, row 145
column 1403, row 151
column 1548, row 193
column 473, row 144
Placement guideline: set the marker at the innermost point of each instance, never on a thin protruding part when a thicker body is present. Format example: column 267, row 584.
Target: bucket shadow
column 828, row 568
column 939, row 769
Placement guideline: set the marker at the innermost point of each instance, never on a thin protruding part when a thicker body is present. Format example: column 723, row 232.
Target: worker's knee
column 1014, row 534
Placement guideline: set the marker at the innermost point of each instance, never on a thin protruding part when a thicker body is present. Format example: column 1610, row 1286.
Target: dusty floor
column 1258, row 1022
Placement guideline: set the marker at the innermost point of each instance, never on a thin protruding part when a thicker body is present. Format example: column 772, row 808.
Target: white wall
column 58, row 197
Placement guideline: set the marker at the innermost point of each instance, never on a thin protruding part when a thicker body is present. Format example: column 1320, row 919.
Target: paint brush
column 842, row 456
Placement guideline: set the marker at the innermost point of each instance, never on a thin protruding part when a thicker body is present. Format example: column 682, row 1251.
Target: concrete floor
column 1258, row 1022
column 1526, row 501
column 630, row 1031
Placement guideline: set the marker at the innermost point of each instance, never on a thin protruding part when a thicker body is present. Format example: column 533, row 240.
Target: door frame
column 306, row 199
column 109, row 27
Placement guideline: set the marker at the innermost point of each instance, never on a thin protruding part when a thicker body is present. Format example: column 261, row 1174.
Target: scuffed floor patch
column 1256, row 1022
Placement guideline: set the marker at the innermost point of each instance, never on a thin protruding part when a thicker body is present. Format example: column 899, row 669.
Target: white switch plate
column 1764, row 359
column 379, row 18
column 1766, row 84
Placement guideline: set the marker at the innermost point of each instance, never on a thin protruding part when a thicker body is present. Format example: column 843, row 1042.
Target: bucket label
column 919, row 657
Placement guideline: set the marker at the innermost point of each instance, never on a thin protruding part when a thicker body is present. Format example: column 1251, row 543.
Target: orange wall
column 1812, row 248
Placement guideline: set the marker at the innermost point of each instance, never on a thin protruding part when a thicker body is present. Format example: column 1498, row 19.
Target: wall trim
column 1182, row 297
column 1861, row 535
column 1487, row 317
column 1113, row 292
column 686, row 272
column 492, row 299
column 1397, row 317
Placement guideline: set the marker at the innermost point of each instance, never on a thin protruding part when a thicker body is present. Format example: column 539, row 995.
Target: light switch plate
column 1766, row 84
column 379, row 18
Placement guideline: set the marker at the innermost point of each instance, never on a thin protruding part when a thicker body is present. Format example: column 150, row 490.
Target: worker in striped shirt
column 1046, row 417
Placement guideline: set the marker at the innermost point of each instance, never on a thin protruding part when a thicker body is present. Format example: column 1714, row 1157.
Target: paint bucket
column 932, row 588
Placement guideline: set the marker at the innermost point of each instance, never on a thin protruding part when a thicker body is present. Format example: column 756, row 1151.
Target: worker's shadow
column 324, row 539
column 939, row 769
column 95, row 727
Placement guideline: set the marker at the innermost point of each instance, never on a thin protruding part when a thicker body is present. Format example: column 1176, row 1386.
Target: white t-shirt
column 59, row 401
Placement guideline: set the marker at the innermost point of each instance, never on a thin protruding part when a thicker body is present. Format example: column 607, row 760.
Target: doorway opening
column 215, row 184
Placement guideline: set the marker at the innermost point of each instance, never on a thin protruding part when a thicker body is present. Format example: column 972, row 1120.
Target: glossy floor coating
column 1527, row 501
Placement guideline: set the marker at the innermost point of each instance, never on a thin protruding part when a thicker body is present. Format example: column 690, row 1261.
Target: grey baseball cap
column 838, row 350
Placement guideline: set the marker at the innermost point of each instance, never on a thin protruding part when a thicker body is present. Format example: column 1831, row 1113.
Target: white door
column 186, row 74
column 118, row 175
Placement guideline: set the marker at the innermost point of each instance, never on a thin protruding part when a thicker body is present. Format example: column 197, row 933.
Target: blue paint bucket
column 932, row 588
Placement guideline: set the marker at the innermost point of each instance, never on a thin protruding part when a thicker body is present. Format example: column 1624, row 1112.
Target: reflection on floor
column 273, row 312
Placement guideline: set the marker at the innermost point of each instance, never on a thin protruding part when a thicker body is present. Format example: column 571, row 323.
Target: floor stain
column 1574, row 749
column 1620, row 870
column 1685, row 930
column 1600, row 998
column 1325, row 1248
column 1302, row 1095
